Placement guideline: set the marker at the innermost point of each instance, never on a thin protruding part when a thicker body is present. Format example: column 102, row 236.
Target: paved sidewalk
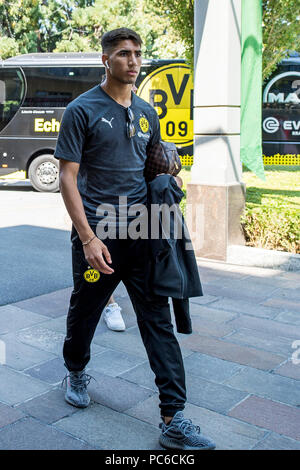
column 241, row 365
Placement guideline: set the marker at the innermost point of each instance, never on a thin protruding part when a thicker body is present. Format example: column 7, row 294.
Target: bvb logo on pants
column 91, row 275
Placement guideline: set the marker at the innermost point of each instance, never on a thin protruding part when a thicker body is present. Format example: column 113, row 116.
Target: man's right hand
column 94, row 253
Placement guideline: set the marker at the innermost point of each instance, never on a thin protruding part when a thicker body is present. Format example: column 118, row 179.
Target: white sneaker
column 113, row 317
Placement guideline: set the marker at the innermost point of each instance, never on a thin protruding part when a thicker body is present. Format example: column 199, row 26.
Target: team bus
column 36, row 88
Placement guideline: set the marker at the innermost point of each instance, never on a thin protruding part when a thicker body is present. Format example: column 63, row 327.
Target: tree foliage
column 181, row 16
column 281, row 32
column 166, row 26
column 78, row 25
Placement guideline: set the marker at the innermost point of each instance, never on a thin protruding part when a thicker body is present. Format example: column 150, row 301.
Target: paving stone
column 122, row 341
column 210, row 328
column 210, row 395
column 240, row 290
column 49, row 407
column 42, row 338
column 288, row 294
column 13, row 319
column 268, row 414
column 179, row 336
column 289, row 317
column 212, row 291
column 107, row 429
column 147, row 410
column 204, row 299
column 141, row 375
column 250, row 308
column 47, row 340
column 289, row 370
column 115, row 392
column 210, row 275
column 228, row 433
column 19, row 356
column 277, row 442
column 56, row 324
column 51, row 305
column 275, row 328
column 9, row 415
column 275, row 281
column 267, row 385
column 18, row 387
column 262, row 340
column 29, row 434
column 51, row 372
column 286, row 304
column 210, row 313
column 248, row 287
column 134, row 330
column 102, row 328
column 217, row 266
column 291, row 275
column 209, row 377
column 233, row 352
column 210, row 368
column 199, row 391
column 114, row 363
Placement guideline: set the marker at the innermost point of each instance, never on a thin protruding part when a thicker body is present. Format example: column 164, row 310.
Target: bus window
column 11, row 94
column 284, row 93
column 58, row 86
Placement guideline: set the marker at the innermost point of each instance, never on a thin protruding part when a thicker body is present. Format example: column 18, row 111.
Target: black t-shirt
column 93, row 133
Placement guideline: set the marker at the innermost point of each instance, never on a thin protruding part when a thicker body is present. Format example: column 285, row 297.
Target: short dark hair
column 112, row 38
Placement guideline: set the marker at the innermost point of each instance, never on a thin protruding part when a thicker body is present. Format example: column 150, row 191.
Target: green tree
column 281, row 28
column 88, row 23
column 36, row 25
column 180, row 15
column 8, row 47
column 19, row 23
column 281, row 32
column 77, row 25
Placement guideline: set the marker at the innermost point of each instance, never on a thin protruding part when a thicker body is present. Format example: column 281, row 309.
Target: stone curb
column 260, row 258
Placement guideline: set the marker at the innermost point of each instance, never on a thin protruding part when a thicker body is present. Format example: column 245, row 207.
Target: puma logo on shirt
column 107, row 122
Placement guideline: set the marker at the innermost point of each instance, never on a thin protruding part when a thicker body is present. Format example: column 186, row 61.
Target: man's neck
column 120, row 92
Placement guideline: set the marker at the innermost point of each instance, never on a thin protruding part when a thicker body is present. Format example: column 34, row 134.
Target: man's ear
column 104, row 60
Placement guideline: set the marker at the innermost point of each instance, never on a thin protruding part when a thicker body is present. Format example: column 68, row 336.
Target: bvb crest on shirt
column 91, row 275
column 144, row 124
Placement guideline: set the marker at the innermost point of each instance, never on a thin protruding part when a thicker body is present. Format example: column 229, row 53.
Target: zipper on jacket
column 181, row 275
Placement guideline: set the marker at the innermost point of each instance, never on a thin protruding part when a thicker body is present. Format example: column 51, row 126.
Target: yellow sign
column 40, row 125
column 91, row 275
column 169, row 89
column 144, row 124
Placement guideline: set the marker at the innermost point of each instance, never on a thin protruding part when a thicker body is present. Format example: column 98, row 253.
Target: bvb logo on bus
column 170, row 90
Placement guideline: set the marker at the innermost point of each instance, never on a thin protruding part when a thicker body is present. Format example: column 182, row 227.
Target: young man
column 102, row 150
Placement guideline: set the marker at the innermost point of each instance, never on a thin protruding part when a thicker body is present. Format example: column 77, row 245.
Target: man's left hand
column 177, row 179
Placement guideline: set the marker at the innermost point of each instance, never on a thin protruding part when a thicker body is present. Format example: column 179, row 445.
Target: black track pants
column 129, row 258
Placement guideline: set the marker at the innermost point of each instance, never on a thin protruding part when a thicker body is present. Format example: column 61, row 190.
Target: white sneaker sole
column 115, row 328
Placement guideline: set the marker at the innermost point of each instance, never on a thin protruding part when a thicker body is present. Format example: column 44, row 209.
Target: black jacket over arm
column 173, row 270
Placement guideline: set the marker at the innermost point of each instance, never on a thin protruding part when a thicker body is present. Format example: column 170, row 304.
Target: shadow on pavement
column 13, row 185
column 34, row 261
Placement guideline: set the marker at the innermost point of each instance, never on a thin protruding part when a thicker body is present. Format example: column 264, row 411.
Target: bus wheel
column 44, row 173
